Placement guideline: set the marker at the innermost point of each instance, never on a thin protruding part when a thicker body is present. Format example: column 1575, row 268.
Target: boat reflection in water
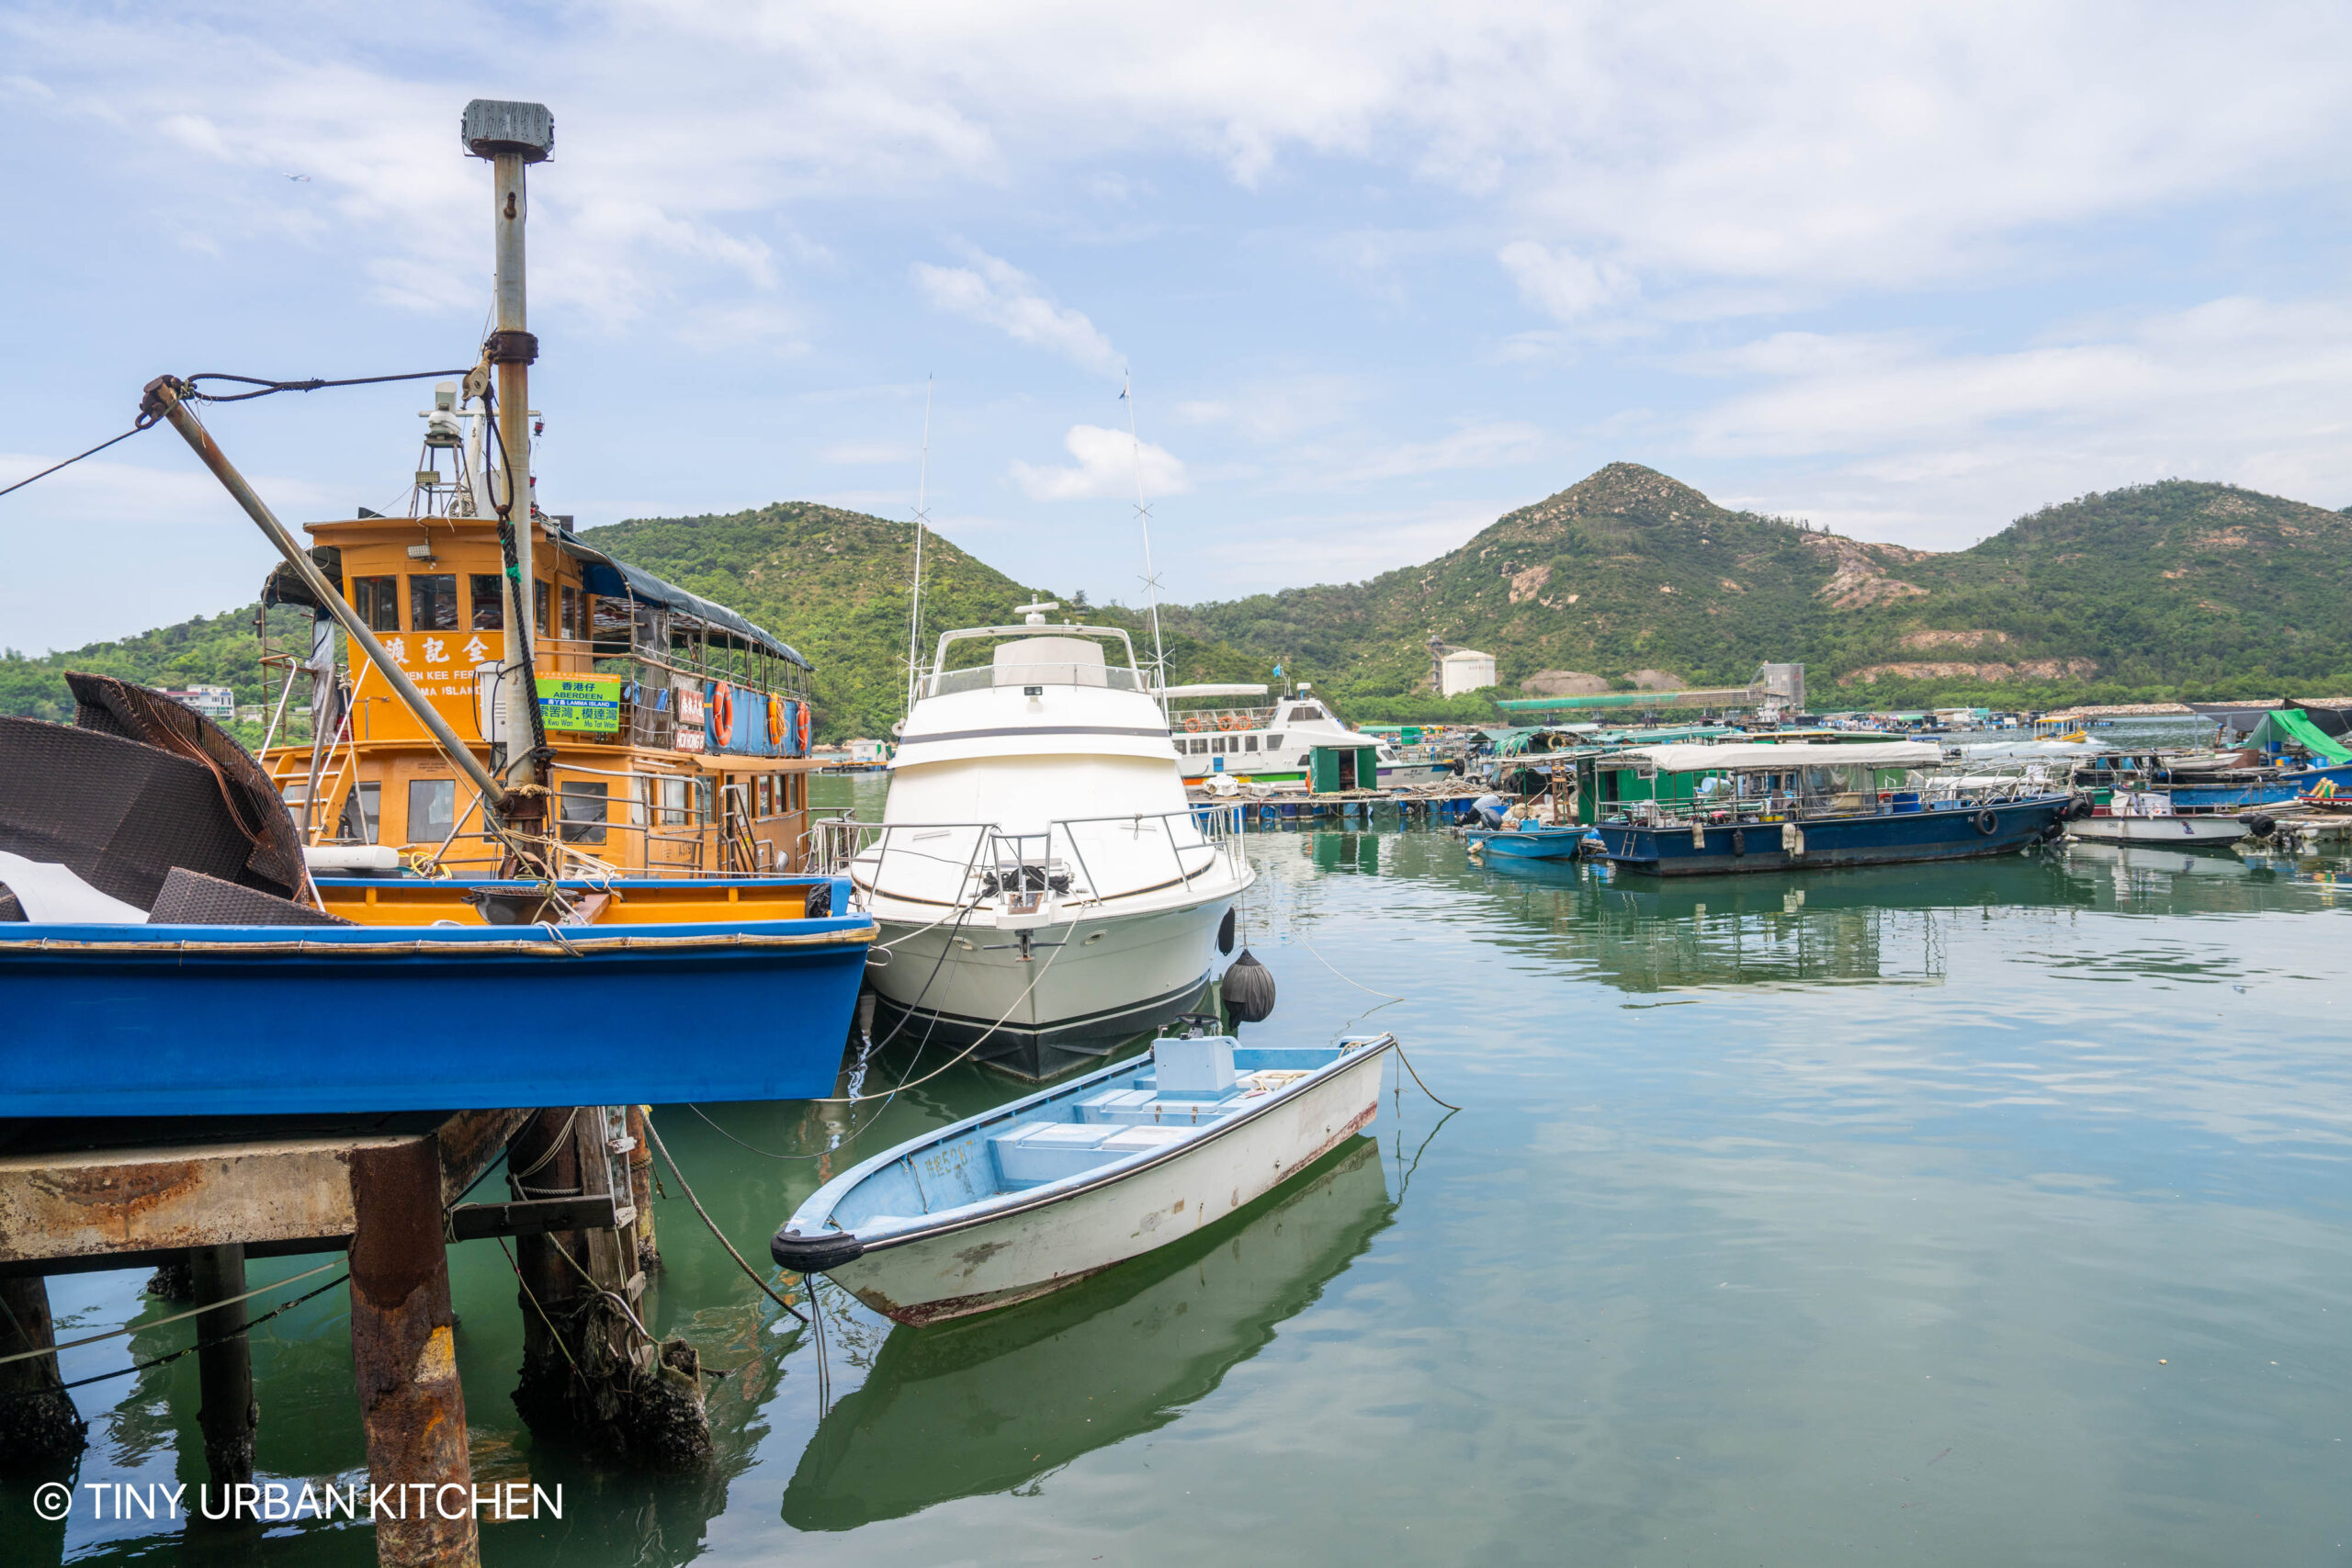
column 986, row 1404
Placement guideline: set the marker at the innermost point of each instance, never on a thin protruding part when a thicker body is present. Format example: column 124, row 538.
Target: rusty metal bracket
column 534, row 1216
column 509, row 347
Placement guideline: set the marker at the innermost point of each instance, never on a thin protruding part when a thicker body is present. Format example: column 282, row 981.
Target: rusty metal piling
column 404, row 1356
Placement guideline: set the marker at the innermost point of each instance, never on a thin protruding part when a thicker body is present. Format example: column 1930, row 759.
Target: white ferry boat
column 1268, row 744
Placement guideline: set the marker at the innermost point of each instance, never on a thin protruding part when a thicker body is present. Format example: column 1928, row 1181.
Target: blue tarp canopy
column 617, row 580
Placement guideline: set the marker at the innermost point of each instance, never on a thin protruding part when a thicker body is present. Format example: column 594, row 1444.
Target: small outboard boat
column 1527, row 841
column 1023, row 1200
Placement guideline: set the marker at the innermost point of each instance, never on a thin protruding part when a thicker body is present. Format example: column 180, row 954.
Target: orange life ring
column 776, row 720
column 722, row 712
column 1233, row 721
column 804, row 730
column 1193, row 722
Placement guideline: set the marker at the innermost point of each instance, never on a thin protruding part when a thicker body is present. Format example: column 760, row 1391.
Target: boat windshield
column 1037, row 659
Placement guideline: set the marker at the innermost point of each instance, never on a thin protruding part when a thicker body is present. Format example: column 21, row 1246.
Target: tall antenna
column 1143, row 520
column 922, row 521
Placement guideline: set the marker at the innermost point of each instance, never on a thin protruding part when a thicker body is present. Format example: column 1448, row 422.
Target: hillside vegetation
column 1625, row 580
column 1629, row 577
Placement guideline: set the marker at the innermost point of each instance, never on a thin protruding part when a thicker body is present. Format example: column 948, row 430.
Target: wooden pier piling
column 591, row 1372
column 226, row 1412
column 39, row 1428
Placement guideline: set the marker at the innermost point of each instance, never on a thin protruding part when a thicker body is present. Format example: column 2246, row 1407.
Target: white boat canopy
column 1213, row 691
column 1689, row 758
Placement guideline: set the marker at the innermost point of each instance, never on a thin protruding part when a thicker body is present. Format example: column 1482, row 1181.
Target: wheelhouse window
column 1273, row 742
column 361, row 812
column 378, row 600
column 431, row 810
column 489, row 606
column 581, row 811
column 764, row 804
column 539, row 595
column 433, row 602
column 1248, row 743
column 575, row 604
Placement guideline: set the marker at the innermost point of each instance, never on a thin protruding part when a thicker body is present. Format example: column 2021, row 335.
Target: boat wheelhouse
column 676, row 732
column 1270, row 743
column 1679, row 810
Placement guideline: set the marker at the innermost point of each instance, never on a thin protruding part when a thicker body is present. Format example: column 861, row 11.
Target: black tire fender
column 814, row 1254
column 1988, row 822
column 1738, row 842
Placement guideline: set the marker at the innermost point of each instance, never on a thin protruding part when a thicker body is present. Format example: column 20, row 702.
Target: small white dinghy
column 2168, row 833
column 1035, row 1195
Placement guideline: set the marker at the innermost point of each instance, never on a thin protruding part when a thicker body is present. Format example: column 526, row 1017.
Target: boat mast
column 1143, row 519
column 513, row 136
column 914, row 606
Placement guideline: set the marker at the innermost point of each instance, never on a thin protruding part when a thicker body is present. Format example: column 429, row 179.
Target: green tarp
column 2282, row 725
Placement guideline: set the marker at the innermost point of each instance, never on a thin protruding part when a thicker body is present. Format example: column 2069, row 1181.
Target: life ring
column 776, row 720
column 1193, row 722
column 804, row 731
column 1233, row 721
column 1987, row 823
column 722, row 711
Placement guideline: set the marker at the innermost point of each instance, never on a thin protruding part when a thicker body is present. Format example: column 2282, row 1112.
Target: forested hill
column 1627, row 578
column 1630, row 578
column 833, row 584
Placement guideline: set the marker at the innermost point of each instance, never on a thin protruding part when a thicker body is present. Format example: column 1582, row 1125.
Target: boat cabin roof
column 1782, row 758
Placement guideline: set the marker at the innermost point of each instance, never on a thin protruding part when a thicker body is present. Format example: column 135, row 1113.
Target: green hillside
column 1630, row 578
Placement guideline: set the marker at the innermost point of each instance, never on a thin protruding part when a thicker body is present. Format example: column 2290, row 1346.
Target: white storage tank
column 1465, row 670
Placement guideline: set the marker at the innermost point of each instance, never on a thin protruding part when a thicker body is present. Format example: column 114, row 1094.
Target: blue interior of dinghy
column 1106, row 1117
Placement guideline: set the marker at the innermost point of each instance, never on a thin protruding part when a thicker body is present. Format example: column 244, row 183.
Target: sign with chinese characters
column 689, row 701
column 589, row 703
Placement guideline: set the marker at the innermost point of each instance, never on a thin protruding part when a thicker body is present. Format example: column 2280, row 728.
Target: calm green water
column 1988, row 1213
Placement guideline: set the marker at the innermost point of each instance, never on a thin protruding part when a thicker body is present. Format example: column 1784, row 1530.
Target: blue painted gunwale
column 898, row 1212
column 186, row 1021
column 2275, row 792
column 1880, row 839
column 1529, row 843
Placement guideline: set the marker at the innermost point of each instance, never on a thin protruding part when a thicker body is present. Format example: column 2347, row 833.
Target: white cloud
column 1108, row 461
column 1484, row 445
column 1560, row 283
column 855, row 454
column 995, row 293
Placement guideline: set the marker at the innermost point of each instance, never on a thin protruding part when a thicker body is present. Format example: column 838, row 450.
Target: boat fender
column 1224, row 933
column 2054, row 831
column 2261, row 824
column 821, row 901
column 814, row 1254
column 1248, row 991
column 776, row 722
column 804, row 730
column 1738, row 842
column 1987, row 823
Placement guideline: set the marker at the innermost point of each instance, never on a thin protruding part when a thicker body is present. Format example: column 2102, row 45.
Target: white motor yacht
column 1042, row 884
column 1269, row 744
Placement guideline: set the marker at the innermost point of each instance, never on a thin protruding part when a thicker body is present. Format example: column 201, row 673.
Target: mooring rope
column 159, row 1322
column 749, row 1272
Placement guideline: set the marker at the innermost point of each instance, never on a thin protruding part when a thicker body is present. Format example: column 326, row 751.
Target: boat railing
column 1209, row 721
column 1020, row 869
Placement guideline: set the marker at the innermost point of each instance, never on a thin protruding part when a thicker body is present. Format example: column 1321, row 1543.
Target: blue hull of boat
column 1889, row 838
column 2224, row 797
column 208, row 1020
column 1529, row 843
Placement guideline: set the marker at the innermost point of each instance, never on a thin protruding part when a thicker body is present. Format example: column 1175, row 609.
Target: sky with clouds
column 1379, row 272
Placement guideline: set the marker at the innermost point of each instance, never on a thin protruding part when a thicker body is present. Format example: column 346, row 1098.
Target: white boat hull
column 1082, row 986
column 2168, row 831
column 1012, row 1257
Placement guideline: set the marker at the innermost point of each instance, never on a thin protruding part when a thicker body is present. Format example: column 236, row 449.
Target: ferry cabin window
column 671, row 806
column 766, row 795
column 1248, row 743
column 574, row 624
column 433, row 602
column 1273, row 742
column 580, row 806
column 489, row 610
column 431, row 810
column 540, row 607
column 361, row 810
column 378, row 600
